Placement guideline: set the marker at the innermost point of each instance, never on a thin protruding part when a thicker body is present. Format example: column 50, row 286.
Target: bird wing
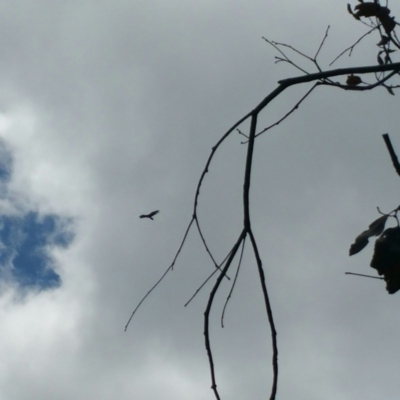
column 151, row 215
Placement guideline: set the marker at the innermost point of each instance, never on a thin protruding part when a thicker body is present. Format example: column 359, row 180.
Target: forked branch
column 320, row 78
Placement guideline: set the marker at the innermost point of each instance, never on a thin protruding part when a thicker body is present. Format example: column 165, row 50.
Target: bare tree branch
column 207, row 279
column 351, row 48
column 341, row 71
column 170, row 268
column 233, row 283
column 321, row 45
column 392, row 153
column 206, row 246
column 290, row 112
column 274, row 387
column 247, row 227
column 383, row 72
column 208, row 310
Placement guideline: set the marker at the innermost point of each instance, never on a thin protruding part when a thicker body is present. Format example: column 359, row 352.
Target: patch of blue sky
column 25, row 240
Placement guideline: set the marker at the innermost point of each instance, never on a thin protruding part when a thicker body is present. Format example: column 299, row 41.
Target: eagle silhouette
column 151, row 215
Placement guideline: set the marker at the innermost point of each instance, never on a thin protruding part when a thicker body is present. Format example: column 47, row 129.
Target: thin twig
column 201, row 287
column 290, row 112
column 293, row 49
column 241, row 133
column 208, row 310
column 366, row 276
column 351, row 48
column 322, row 43
column 233, row 283
column 213, row 150
column 207, row 279
column 279, row 59
column 206, row 246
column 285, row 57
column 170, row 268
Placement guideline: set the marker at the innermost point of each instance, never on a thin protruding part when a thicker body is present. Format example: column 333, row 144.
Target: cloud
column 108, row 111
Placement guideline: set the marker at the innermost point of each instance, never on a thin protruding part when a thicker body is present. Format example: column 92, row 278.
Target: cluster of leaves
column 378, row 18
column 386, row 257
column 374, row 9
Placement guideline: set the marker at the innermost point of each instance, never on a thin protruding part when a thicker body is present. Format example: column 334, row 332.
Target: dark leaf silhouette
column 390, row 90
column 375, row 229
column 360, row 242
column 371, row 9
column 384, row 40
column 388, row 23
column 353, row 80
column 151, row 215
column 349, row 9
column 386, row 258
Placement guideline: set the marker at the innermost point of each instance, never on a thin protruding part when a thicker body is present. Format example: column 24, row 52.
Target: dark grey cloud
column 113, row 110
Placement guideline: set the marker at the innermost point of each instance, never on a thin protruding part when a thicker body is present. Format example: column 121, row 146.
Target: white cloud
column 110, row 111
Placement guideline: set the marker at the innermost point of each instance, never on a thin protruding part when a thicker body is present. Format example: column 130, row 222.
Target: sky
column 109, row 110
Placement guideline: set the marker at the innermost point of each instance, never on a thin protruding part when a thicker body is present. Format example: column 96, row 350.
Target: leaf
column 380, row 61
column 377, row 227
column 386, row 258
column 387, row 250
column 351, row 11
column 384, row 41
column 392, row 278
column 360, row 242
column 367, row 10
column 353, row 80
column 390, row 90
column 388, row 23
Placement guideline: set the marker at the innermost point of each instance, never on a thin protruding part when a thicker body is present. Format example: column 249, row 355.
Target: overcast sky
column 108, row 110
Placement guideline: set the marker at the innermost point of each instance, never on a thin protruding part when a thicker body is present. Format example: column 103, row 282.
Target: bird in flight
column 151, row 215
